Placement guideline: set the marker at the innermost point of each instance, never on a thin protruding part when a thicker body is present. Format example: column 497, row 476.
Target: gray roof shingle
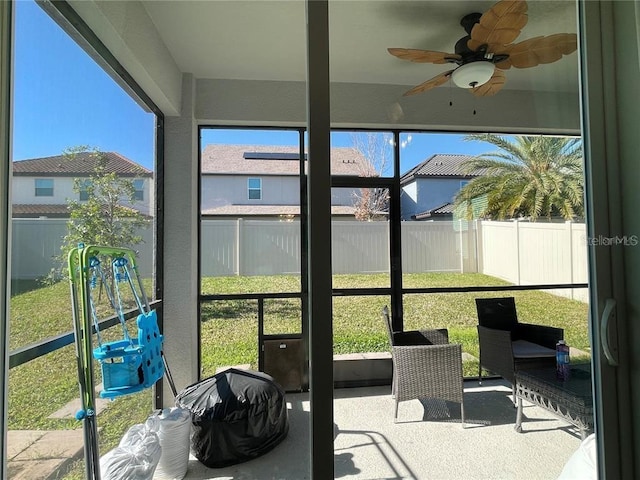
column 441, row 165
column 49, row 210
column 231, row 160
column 446, row 209
column 81, row 164
column 39, row 210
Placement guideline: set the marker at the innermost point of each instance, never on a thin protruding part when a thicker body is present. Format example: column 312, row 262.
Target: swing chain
column 119, row 266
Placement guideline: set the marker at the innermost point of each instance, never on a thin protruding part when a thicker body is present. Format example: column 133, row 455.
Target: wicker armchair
column 507, row 345
column 425, row 365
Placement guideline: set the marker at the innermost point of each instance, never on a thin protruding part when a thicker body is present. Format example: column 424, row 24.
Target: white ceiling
column 265, row 40
column 243, row 62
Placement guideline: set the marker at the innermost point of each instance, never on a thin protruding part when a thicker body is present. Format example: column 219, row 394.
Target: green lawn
column 229, row 335
column 229, row 328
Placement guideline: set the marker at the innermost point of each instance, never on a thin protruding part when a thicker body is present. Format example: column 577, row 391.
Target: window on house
column 255, row 188
column 463, row 183
column 139, row 190
column 44, row 187
column 84, row 190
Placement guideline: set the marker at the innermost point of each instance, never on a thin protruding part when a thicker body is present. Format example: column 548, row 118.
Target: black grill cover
column 237, row 415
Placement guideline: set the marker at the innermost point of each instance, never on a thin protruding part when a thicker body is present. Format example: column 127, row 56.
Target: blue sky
column 63, row 99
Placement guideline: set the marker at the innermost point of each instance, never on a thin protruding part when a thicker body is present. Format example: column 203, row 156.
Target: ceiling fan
column 487, row 50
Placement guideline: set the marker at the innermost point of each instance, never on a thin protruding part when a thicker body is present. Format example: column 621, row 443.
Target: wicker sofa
column 507, row 345
column 425, row 365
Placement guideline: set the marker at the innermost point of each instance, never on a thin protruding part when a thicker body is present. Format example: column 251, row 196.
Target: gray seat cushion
column 525, row 349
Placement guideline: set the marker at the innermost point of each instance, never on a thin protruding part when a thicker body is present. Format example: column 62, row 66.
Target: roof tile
column 230, row 159
column 446, row 209
column 82, row 163
column 441, row 165
column 39, row 210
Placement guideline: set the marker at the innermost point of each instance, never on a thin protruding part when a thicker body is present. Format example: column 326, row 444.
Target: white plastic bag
column 174, row 433
column 583, row 464
column 137, row 455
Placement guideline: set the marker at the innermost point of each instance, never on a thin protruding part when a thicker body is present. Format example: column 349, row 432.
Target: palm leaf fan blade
column 499, row 25
column 566, row 43
column 423, row 56
column 539, row 50
column 505, row 31
column 429, row 84
column 505, row 7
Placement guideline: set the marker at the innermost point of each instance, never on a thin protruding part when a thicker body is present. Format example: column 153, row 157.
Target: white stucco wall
column 24, row 191
column 434, row 192
column 426, row 193
column 180, row 259
column 248, row 102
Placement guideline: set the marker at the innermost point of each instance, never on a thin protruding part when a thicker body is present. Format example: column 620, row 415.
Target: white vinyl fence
column 431, row 247
column 519, row 252
column 36, row 242
column 264, row 247
column 249, row 247
column 526, row 253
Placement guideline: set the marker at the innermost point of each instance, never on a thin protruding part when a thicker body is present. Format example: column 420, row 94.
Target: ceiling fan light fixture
column 472, row 74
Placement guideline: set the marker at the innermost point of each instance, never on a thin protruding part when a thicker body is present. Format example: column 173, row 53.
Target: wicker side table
column 571, row 400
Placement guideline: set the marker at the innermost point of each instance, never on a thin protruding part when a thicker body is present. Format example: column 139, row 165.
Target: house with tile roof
column 43, row 186
column 263, row 181
column 428, row 189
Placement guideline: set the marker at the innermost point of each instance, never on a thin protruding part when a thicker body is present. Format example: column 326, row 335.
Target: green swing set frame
column 128, row 365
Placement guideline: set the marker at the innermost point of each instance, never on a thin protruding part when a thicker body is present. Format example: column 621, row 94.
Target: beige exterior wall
column 24, row 193
column 221, row 190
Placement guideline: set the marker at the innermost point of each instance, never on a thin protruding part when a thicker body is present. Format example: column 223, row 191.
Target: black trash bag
column 237, row 415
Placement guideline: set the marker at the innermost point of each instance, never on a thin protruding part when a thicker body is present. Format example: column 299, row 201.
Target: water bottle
column 562, row 360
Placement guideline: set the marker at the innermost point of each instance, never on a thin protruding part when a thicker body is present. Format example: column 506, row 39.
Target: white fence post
column 478, row 245
column 518, row 248
column 570, row 248
column 461, row 247
column 388, row 237
column 238, row 246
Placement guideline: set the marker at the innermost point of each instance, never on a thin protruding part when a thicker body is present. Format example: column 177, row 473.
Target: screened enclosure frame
column 396, row 291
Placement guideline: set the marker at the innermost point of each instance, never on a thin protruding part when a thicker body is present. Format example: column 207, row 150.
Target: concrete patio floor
column 428, row 442
column 424, row 444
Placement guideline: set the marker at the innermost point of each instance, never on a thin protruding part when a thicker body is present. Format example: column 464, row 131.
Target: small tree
column 371, row 203
column 377, row 149
column 107, row 216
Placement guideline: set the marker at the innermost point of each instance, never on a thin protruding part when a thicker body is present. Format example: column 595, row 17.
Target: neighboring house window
column 255, row 188
column 84, row 190
column 44, row 187
column 139, row 187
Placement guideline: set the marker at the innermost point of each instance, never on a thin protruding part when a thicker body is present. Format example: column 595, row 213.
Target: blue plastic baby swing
column 131, row 364
column 128, row 365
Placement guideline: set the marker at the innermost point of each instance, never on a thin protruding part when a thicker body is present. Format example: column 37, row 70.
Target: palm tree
column 531, row 176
